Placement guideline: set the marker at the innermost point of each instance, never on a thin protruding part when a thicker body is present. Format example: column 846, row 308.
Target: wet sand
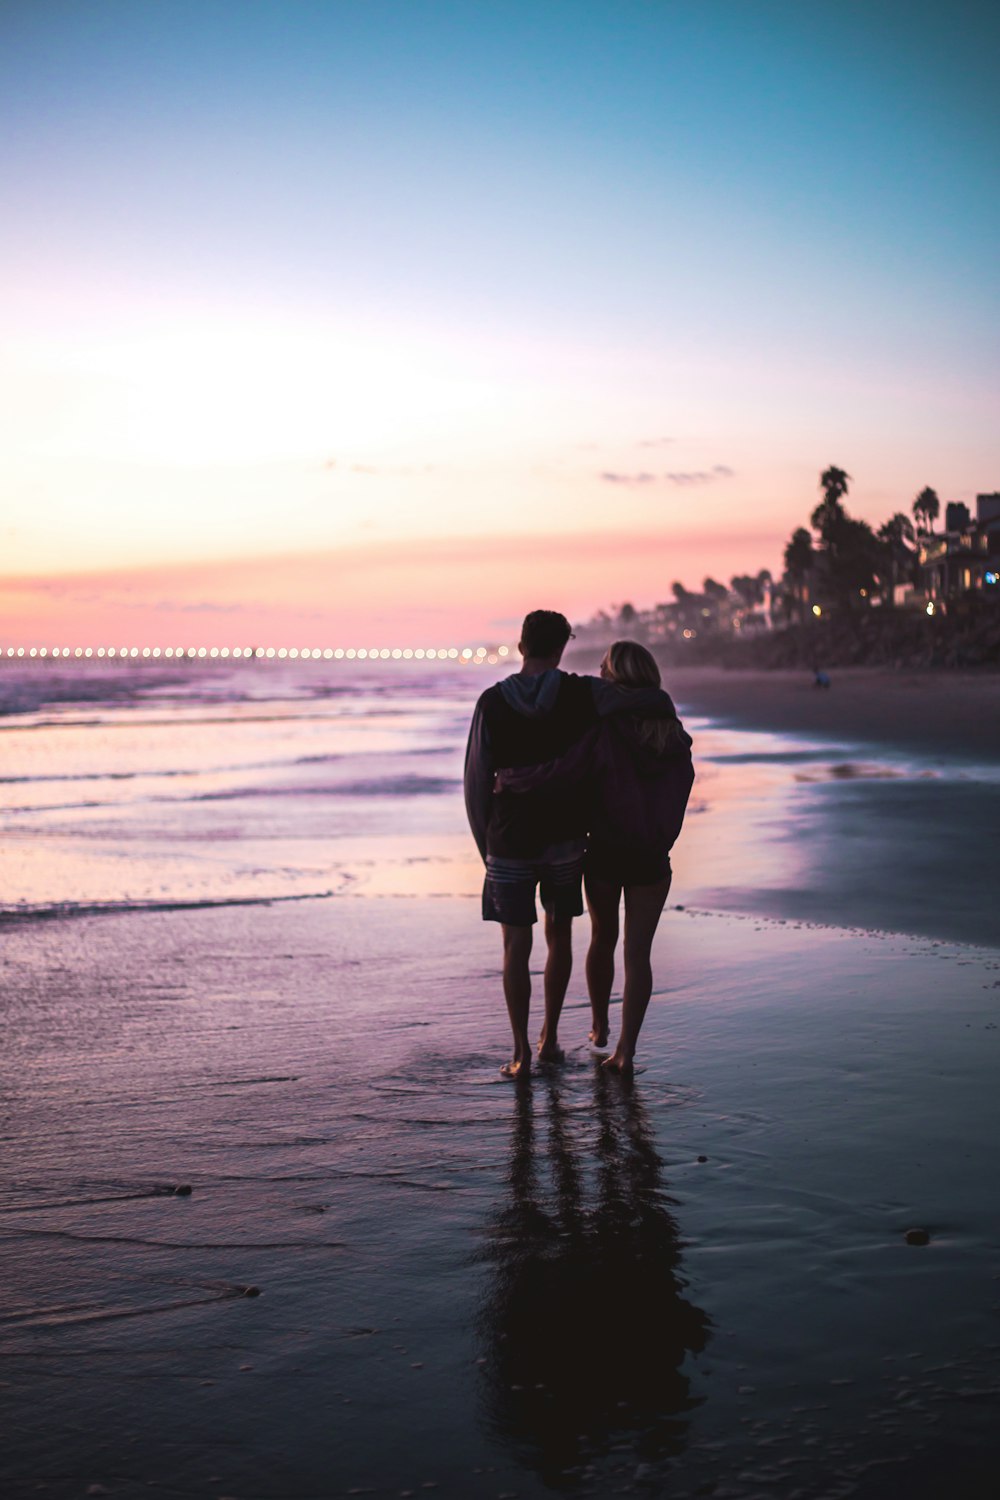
column 395, row 1273
column 927, row 713
column 887, row 815
column 697, row 1286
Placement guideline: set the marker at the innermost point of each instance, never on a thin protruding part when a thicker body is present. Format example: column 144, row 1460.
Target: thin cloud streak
column 677, row 476
column 701, row 476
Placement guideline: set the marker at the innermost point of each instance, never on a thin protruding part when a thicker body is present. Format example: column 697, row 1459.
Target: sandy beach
column 944, row 714
column 395, row 1273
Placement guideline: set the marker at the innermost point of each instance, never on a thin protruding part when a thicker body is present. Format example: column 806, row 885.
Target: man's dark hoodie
column 527, row 720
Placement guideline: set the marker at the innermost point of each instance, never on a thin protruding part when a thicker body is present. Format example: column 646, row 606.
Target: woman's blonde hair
column 632, row 666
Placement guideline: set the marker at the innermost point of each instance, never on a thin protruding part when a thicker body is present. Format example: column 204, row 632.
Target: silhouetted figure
column 584, row 1324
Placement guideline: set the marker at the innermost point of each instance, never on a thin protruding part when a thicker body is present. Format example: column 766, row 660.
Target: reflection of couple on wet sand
column 570, row 781
column 584, row 1325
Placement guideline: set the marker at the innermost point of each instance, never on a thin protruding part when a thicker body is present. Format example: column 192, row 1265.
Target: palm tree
column 798, row 564
column 685, row 605
column 833, row 482
column 926, row 509
column 748, row 589
column 897, row 536
column 715, row 608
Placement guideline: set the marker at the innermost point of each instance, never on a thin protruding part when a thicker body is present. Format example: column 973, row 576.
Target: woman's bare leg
column 643, row 905
column 603, row 898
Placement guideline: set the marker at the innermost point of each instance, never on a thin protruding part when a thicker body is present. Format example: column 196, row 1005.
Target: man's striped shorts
column 510, row 884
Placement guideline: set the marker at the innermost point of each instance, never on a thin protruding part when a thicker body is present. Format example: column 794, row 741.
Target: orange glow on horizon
column 449, row 588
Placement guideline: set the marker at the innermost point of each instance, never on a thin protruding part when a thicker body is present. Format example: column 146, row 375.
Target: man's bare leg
column 517, row 993
column 603, row 899
column 643, row 905
column 558, row 968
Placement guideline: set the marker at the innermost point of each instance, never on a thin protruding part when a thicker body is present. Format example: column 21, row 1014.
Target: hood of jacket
column 533, row 696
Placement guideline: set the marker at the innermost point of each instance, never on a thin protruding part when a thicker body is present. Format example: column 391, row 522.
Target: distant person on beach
column 638, row 775
column 534, row 837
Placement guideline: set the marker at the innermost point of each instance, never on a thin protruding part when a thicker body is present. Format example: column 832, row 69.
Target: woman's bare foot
column 597, row 1036
column 550, row 1052
column 518, row 1067
column 619, row 1063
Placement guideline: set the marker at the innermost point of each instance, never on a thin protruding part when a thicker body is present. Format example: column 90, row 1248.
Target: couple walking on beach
column 570, row 781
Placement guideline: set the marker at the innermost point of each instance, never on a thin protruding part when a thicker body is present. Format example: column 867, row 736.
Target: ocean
column 140, row 786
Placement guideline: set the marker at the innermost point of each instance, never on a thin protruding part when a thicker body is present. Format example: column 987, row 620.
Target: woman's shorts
column 621, row 866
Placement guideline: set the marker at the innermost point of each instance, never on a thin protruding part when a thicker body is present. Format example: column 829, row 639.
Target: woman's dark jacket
column 636, row 795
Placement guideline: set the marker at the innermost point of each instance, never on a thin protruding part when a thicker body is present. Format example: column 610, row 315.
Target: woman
column 642, row 780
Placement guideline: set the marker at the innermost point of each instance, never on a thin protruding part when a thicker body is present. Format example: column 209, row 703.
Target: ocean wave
column 57, row 911
column 173, row 771
column 388, row 786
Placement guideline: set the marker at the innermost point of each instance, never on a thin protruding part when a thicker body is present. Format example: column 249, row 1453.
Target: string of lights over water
column 470, row 655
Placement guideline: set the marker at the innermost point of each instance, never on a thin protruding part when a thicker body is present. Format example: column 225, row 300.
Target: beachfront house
column 965, row 558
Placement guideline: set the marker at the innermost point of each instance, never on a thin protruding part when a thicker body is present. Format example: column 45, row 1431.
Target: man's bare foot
column 619, row 1063
column 597, row 1036
column 518, row 1067
column 550, row 1052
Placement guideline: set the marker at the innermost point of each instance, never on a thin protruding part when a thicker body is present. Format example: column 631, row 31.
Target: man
column 536, row 839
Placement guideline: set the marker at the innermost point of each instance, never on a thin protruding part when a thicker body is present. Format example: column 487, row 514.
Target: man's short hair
column 544, row 632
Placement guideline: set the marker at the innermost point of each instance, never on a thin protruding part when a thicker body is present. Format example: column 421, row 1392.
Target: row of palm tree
column 851, row 563
column 846, row 565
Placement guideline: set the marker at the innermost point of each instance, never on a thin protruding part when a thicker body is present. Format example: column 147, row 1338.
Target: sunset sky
column 381, row 321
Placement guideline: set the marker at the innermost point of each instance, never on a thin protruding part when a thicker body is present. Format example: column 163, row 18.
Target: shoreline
column 956, row 715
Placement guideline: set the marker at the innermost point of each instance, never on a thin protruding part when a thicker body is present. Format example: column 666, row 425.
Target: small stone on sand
column 917, row 1237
